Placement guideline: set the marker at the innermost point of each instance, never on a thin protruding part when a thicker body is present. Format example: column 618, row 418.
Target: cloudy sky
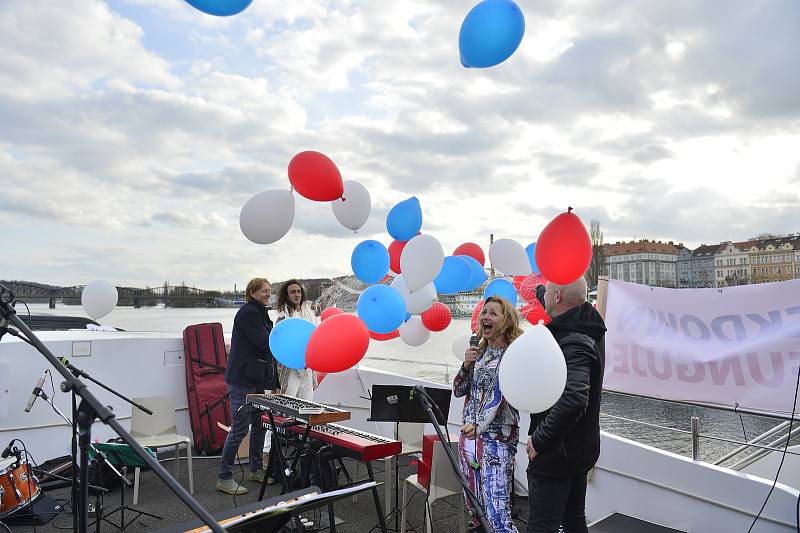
column 132, row 131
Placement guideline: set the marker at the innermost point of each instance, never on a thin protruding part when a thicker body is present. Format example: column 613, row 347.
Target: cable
column 7, row 528
column 783, row 457
column 30, row 318
column 741, row 420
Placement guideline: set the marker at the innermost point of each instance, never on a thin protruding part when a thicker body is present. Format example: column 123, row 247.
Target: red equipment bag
column 206, row 359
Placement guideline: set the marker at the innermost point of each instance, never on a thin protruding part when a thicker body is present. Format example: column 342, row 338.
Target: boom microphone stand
column 90, row 409
column 427, row 403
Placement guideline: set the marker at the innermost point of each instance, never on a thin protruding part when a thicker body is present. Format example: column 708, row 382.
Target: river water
column 435, row 361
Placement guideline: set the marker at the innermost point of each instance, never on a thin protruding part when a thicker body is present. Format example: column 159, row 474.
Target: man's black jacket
column 250, row 362
column 567, row 436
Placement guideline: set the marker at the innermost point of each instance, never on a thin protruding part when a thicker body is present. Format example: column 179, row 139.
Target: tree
column 598, row 255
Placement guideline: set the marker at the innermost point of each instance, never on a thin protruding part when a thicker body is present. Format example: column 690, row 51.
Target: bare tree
column 598, row 255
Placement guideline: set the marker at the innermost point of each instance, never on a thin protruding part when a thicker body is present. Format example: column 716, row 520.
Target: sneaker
column 270, row 481
column 258, row 476
column 229, row 486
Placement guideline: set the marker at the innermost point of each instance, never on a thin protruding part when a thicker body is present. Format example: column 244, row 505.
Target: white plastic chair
column 443, row 483
column 157, row 431
column 410, row 435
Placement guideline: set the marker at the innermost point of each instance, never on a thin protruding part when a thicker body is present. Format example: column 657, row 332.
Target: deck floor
column 154, row 497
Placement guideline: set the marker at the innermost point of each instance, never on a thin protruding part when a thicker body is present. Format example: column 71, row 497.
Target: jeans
column 242, row 418
column 557, row 502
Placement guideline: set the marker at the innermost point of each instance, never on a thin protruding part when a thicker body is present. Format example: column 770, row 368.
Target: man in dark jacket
column 251, row 369
column 564, row 441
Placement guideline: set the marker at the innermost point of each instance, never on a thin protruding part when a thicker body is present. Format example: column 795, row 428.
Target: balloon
column 413, row 332
column 384, row 336
column 564, row 249
column 421, row 261
column 460, row 345
column 395, row 251
column 288, row 341
column 381, row 308
column 531, row 250
column 220, row 8
column 454, row 275
column 329, row 312
column 267, row 216
column 352, row 210
column 417, row 301
column 476, row 312
column 477, row 273
column 404, row 220
column 534, row 312
column 314, row 176
column 370, row 261
column 503, row 288
column 490, row 33
column 99, row 298
column 533, row 372
column 509, row 257
column 337, row 344
column 526, row 286
column 471, row 249
column 437, row 318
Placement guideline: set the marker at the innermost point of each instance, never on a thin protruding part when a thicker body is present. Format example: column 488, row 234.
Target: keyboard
column 349, row 442
column 290, row 407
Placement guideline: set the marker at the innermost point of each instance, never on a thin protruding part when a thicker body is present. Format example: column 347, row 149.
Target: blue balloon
column 381, row 308
column 490, row 33
column 220, row 8
column 501, row 287
column 477, row 274
column 531, row 251
column 370, row 261
column 404, row 220
column 288, row 341
column 454, row 275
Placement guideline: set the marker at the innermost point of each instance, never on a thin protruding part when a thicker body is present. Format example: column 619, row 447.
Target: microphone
column 7, row 451
column 35, row 393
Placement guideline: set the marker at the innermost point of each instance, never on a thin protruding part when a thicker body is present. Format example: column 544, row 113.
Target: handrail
column 756, row 439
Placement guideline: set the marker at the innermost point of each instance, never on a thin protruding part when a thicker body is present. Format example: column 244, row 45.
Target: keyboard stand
column 288, row 473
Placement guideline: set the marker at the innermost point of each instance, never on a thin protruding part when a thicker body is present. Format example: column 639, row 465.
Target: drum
column 18, row 486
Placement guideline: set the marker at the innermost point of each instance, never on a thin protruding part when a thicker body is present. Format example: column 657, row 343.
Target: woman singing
column 292, row 303
column 490, row 433
column 251, row 369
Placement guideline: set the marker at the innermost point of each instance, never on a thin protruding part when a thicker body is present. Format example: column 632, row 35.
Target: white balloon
column 533, row 372
column 417, row 301
column 267, row 216
column 414, row 332
column 421, row 261
column 509, row 257
column 460, row 345
column 353, row 212
column 99, row 298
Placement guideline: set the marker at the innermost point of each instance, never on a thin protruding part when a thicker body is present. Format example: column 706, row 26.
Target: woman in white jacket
column 292, row 303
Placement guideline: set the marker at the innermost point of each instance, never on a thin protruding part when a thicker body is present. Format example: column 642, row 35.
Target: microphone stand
column 90, row 409
column 476, row 507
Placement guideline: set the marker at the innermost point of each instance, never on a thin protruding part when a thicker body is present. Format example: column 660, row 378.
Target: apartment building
column 647, row 262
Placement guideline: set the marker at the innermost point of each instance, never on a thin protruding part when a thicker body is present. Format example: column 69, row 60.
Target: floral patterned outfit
column 488, row 461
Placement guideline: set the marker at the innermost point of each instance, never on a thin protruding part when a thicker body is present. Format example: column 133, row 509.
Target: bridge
column 169, row 295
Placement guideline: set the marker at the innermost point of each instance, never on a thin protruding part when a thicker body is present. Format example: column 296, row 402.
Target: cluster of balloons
column 268, row 215
column 99, row 298
column 490, row 33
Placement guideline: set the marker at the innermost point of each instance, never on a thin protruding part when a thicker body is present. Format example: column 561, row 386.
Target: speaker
column 42, row 511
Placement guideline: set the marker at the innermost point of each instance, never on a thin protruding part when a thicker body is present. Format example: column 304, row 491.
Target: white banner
column 736, row 345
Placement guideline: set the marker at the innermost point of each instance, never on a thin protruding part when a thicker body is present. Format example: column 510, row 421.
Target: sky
column 133, row 131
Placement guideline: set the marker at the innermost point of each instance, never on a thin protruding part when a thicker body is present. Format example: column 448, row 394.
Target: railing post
column 695, row 438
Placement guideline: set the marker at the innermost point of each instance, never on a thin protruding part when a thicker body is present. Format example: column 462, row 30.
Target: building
column 683, row 268
column 647, row 262
column 732, row 264
column 695, row 268
column 774, row 259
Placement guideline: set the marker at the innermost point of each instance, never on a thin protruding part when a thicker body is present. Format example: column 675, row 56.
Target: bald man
column 564, row 441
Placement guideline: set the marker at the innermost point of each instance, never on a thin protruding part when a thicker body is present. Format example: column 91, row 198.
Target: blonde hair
column 254, row 285
column 510, row 326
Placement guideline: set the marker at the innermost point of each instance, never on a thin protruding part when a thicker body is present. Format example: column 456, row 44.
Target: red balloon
column 437, row 317
column 533, row 313
column 395, row 250
column 475, row 314
column 384, row 336
column 471, row 249
column 337, row 343
column 526, row 286
column 329, row 312
column 314, row 176
column 564, row 249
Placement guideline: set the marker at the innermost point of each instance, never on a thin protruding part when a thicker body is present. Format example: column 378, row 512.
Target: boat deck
column 358, row 516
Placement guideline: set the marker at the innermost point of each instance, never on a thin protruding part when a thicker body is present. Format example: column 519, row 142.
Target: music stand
column 400, row 403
